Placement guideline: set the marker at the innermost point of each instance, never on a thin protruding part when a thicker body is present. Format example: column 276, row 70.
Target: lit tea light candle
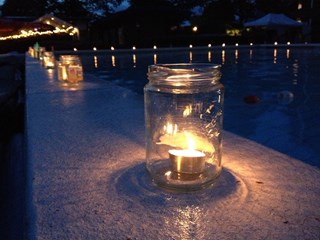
column 187, row 152
column 187, row 161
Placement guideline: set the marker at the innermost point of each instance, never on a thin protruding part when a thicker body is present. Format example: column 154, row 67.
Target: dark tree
column 148, row 3
column 160, row 11
column 66, row 8
column 244, row 9
column 277, row 6
column 191, row 3
column 217, row 16
column 72, row 8
column 34, row 8
column 102, row 7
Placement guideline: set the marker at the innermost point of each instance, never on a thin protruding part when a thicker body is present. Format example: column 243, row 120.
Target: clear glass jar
column 70, row 69
column 183, row 117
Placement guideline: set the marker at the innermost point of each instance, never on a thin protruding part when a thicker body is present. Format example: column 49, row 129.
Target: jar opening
column 184, row 72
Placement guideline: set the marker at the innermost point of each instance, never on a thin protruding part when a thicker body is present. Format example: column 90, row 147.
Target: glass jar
column 70, row 69
column 48, row 60
column 183, row 117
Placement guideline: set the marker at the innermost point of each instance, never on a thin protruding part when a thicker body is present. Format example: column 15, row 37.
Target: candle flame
column 184, row 139
column 190, row 141
column 170, row 128
column 187, row 111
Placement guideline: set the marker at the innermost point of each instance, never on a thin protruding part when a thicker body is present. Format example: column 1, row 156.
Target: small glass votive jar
column 183, row 117
column 49, row 60
column 70, row 69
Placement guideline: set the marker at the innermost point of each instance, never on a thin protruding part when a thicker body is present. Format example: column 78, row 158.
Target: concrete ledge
column 87, row 179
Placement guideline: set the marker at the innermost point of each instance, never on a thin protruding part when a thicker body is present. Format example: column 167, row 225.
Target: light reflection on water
column 284, row 79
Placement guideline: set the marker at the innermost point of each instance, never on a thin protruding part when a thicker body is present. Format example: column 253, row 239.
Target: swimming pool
column 283, row 84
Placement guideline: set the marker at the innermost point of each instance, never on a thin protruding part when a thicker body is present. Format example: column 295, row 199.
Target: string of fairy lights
column 32, row 33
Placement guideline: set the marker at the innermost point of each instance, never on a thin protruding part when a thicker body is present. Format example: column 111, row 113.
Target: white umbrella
column 273, row 20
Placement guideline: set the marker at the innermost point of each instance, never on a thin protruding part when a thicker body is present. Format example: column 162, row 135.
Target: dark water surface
column 272, row 95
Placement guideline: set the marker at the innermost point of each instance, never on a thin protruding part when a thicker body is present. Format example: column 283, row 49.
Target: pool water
column 272, row 94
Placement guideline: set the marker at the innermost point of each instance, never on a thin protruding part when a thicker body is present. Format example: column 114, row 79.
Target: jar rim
column 184, row 72
column 189, row 66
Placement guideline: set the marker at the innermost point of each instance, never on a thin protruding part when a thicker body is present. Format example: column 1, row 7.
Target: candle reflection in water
column 288, row 53
column 95, row 61
column 250, row 55
column 51, row 75
column 295, row 70
column 113, row 61
column 236, row 55
column 275, row 56
column 223, row 54
column 209, row 56
column 134, row 59
column 155, row 58
column 190, row 56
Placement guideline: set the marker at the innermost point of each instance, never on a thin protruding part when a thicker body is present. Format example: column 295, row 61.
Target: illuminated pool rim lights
column 211, row 46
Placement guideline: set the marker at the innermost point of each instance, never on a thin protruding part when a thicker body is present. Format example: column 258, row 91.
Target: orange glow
column 209, row 56
column 187, row 111
column 113, row 61
column 155, row 58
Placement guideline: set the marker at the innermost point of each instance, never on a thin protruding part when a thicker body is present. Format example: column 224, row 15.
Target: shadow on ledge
column 135, row 184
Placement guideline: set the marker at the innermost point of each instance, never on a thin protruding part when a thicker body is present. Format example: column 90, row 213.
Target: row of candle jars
column 183, row 116
column 36, row 51
column 46, row 58
column 70, row 68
